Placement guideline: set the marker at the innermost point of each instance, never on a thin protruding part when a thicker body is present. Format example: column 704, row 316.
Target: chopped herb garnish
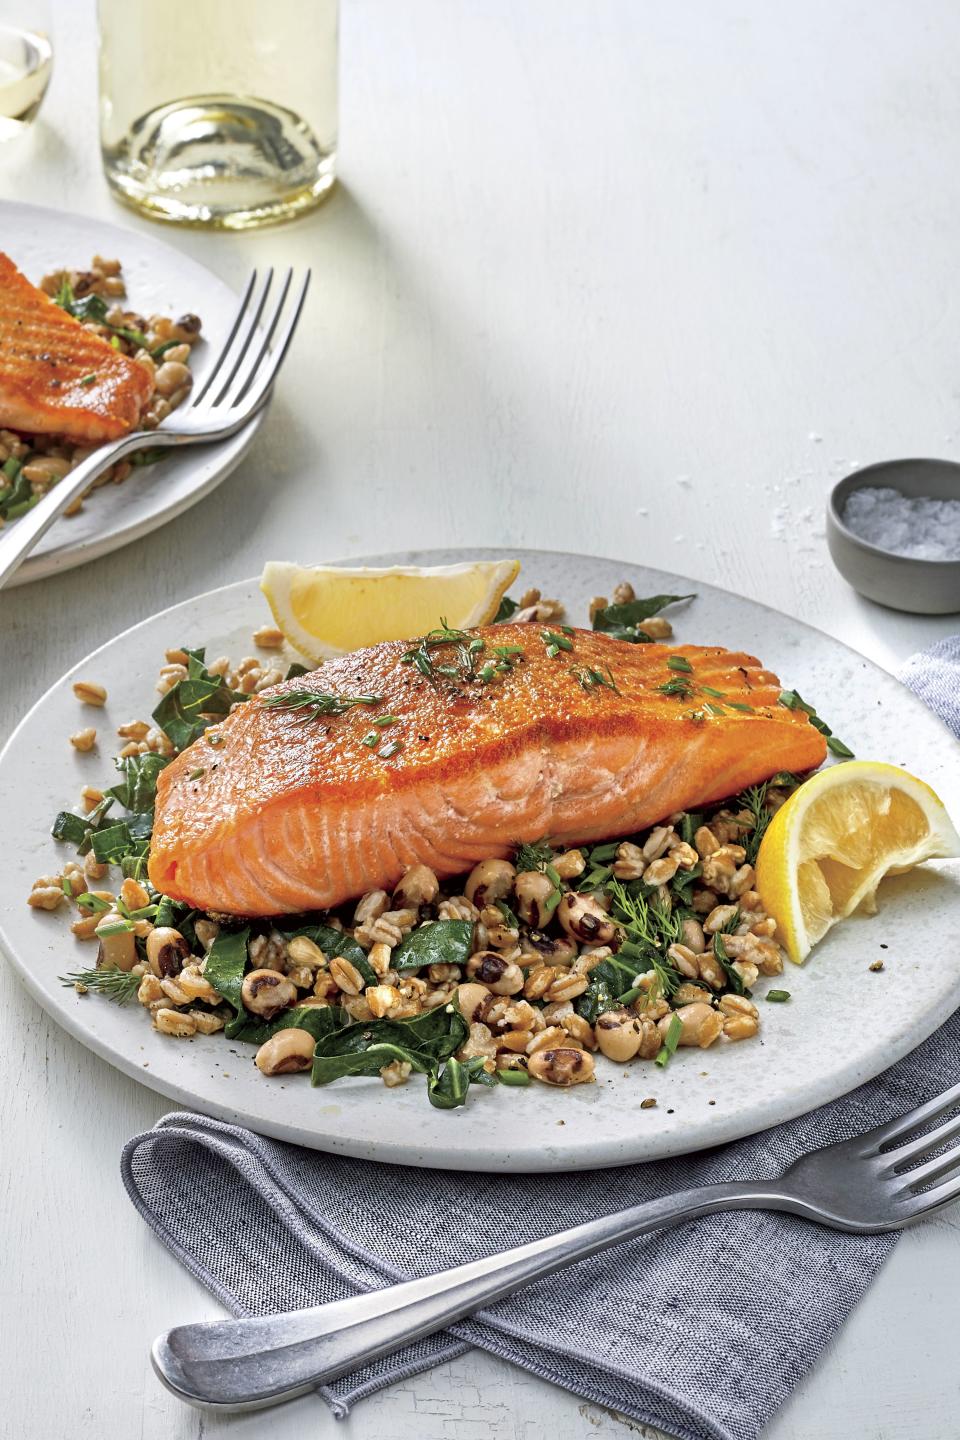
column 536, row 855
column 837, row 747
column 315, row 703
column 793, row 700
column 709, row 690
column 514, row 1076
column 506, row 608
column 391, row 748
column 555, row 642
column 589, row 679
column 670, row 1041
column 679, row 662
column 382, row 721
column 196, row 774
column 712, row 709
column 681, row 688
column 371, row 740
column 738, row 705
column 88, row 379
column 778, row 997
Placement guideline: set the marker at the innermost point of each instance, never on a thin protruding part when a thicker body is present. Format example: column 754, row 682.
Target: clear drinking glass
column 26, row 60
column 219, row 112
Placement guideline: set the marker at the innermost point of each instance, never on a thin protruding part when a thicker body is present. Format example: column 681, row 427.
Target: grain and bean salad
column 523, row 969
column 31, row 464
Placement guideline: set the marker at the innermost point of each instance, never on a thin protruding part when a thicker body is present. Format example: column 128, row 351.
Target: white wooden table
column 633, row 278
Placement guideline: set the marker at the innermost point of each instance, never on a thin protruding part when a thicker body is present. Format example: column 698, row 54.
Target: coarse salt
column 920, row 529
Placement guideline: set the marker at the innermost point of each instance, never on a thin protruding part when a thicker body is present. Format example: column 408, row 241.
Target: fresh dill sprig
column 651, row 929
column 679, row 687
column 534, row 855
column 120, row 986
column 315, row 703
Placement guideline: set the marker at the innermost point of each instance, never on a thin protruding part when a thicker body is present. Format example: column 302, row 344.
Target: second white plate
column 160, row 281
column 843, row 1025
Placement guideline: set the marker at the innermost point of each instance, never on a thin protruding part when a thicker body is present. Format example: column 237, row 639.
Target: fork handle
column 251, row 1363
column 19, row 538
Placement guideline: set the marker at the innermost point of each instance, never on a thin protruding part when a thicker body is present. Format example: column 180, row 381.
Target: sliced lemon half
column 326, row 611
column 829, row 846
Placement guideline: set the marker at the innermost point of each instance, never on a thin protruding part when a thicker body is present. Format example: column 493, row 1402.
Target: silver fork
column 861, row 1185
column 238, row 384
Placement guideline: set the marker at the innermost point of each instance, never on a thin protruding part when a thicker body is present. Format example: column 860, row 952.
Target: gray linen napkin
column 702, row 1331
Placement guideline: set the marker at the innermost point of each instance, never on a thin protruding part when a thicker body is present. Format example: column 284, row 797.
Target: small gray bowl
column 923, row 587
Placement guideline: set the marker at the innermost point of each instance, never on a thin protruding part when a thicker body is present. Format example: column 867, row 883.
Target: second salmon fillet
column 57, row 376
column 275, row 811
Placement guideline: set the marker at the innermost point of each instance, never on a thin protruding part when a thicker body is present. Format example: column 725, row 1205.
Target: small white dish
column 160, row 280
column 843, row 1025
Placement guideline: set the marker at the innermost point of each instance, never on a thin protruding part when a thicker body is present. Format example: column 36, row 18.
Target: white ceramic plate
column 843, row 1025
column 160, row 281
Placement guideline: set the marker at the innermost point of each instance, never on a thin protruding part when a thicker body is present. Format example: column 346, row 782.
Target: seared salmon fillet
column 56, row 376
column 275, row 810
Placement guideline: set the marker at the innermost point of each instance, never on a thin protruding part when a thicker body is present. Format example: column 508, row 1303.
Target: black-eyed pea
column 703, row 901
column 618, row 1034
column 117, row 946
column 584, row 919
column 267, row 992
column 287, row 1052
column 500, row 975
column 166, row 950
column 700, row 1024
column 472, row 1000
column 534, row 890
column 562, row 1065
column 539, row 948
column 489, row 881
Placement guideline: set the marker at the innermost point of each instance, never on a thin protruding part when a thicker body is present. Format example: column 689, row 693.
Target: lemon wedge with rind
column 327, row 610
column 831, row 843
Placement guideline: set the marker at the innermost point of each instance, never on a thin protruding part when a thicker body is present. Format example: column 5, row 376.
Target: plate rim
column 583, row 1153
column 222, row 456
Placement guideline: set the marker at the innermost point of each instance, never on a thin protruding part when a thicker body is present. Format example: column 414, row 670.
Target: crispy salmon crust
column 56, row 376
column 274, row 813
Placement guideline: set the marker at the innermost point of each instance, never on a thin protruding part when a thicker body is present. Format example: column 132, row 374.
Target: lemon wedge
column 328, row 610
column 829, row 846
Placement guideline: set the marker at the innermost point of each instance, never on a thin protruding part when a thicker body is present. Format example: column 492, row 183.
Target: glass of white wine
column 26, row 60
column 220, row 113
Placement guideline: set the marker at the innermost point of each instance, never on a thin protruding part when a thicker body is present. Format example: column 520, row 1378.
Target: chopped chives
column 382, row 721
column 670, row 1041
column 371, row 740
column 391, row 748
column 778, row 996
column 837, row 747
column 679, row 662
column 513, row 1077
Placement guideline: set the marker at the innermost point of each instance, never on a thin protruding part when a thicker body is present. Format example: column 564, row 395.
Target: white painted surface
column 585, row 251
